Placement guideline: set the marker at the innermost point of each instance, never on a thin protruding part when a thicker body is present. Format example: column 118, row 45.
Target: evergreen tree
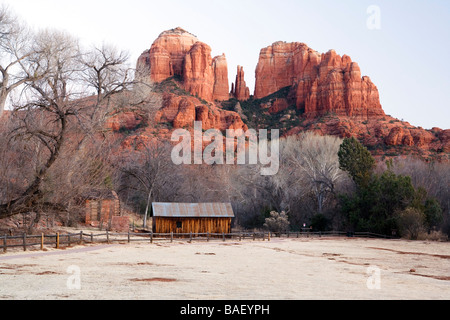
column 356, row 160
column 373, row 207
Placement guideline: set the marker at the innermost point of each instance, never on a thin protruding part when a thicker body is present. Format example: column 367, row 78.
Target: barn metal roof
column 201, row 210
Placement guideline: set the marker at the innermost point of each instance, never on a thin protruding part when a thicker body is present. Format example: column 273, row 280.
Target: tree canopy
column 355, row 159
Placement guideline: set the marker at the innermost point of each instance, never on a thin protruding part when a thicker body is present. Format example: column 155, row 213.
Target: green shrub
column 277, row 222
column 411, row 222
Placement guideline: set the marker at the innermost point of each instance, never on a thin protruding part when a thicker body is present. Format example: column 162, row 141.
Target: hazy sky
column 407, row 57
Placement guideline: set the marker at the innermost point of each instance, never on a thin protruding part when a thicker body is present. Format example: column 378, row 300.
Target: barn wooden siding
column 194, row 225
column 192, row 217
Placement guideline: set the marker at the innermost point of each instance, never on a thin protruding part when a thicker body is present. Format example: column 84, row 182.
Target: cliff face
column 320, row 83
column 179, row 53
column 166, row 56
column 220, row 71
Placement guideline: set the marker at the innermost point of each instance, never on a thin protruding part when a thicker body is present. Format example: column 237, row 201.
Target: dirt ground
column 282, row 269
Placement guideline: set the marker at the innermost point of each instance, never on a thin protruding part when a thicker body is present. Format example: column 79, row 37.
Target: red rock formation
column 181, row 112
column 326, row 86
column 239, row 89
column 398, row 136
column 220, row 71
column 383, row 135
column 166, row 55
column 177, row 52
column 125, row 120
column 320, row 83
column 275, row 69
column 444, row 136
column 278, row 105
column 197, row 71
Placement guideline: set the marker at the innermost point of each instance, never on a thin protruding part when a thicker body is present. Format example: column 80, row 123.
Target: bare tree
column 149, row 171
column 44, row 118
column 67, row 95
column 48, row 107
column 314, row 159
column 17, row 51
column 105, row 71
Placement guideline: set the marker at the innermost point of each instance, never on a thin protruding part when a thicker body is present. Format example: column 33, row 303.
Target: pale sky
column 408, row 57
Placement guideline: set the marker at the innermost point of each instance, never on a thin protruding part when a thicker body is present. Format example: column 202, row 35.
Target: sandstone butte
column 178, row 53
column 320, row 83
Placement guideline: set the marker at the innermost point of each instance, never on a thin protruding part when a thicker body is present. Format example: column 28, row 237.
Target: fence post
column 207, row 237
column 57, row 240
column 190, row 237
column 107, row 236
column 223, row 236
column 42, row 241
column 254, row 236
column 151, row 237
column 92, row 237
column 240, row 234
column 171, row 236
column 128, row 236
column 24, row 241
column 5, row 241
column 268, row 236
column 68, row 239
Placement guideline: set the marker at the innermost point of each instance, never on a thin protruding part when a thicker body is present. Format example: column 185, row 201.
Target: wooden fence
column 58, row 240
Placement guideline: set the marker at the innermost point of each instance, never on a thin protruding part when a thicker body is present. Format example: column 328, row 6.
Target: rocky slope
column 182, row 111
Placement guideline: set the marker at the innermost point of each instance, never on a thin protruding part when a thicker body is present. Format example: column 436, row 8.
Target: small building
column 192, row 217
column 102, row 210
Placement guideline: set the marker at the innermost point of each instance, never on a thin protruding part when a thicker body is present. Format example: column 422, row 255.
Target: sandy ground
column 282, row 269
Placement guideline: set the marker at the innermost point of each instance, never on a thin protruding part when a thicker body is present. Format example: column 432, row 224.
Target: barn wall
column 91, row 207
column 101, row 211
column 194, row 225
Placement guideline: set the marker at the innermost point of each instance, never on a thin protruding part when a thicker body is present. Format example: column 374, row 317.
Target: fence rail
column 69, row 239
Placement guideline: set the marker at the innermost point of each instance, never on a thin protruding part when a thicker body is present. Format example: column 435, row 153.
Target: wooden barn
column 192, row 217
